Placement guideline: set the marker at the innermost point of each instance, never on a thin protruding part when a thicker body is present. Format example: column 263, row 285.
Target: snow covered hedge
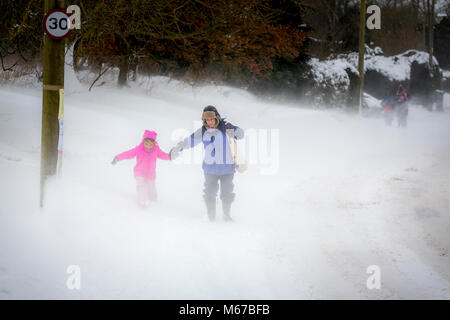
column 331, row 81
column 335, row 79
column 446, row 81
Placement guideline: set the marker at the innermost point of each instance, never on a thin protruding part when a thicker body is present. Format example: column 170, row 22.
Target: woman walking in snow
column 218, row 165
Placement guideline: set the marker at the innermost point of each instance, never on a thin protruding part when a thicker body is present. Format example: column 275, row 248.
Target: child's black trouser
column 212, row 186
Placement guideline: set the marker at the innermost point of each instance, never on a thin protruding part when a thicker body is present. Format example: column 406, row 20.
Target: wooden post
column 431, row 34
column 431, row 96
column 362, row 28
column 53, row 80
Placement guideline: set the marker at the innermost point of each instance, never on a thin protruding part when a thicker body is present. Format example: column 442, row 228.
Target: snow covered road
column 348, row 193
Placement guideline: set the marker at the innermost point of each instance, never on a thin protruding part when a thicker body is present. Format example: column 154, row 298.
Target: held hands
column 175, row 151
column 115, row 160
column 173, row 154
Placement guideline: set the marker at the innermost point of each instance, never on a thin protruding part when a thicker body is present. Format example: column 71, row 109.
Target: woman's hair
column 149, row 139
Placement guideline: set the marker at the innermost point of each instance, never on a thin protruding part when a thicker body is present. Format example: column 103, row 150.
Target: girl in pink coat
column 146, row 154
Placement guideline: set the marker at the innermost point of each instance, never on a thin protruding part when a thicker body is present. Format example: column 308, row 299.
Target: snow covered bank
column 396, row 67
column 349, row 193
column 338, row 75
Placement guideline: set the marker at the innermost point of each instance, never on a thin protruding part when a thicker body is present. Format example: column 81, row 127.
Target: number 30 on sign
column 57, row 24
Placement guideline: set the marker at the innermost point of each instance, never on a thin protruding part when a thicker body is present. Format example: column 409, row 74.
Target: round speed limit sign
column 57, row 24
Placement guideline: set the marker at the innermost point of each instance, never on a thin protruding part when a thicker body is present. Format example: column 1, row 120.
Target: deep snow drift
column 345, row 193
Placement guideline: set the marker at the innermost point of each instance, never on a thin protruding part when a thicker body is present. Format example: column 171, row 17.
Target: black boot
column 211, row 210
column 226, row 206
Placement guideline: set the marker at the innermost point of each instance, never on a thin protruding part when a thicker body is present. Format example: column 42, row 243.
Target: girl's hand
column 115, row 160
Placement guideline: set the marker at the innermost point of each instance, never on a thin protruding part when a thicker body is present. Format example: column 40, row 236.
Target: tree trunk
column 134, row 61
column 362, row 27
column 431, row 4
column 123, row 71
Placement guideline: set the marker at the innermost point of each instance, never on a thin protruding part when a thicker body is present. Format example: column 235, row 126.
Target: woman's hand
column 173, row 154
column 175, row 151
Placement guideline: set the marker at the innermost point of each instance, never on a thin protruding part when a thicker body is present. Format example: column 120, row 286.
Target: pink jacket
column 145, row 160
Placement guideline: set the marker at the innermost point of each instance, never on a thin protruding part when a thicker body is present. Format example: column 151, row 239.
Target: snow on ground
column 348, row 193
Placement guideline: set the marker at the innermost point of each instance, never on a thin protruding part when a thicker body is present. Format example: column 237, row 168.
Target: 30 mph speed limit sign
column 57, row 24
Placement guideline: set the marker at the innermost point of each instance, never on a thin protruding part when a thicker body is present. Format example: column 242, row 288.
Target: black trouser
column 212, row 186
